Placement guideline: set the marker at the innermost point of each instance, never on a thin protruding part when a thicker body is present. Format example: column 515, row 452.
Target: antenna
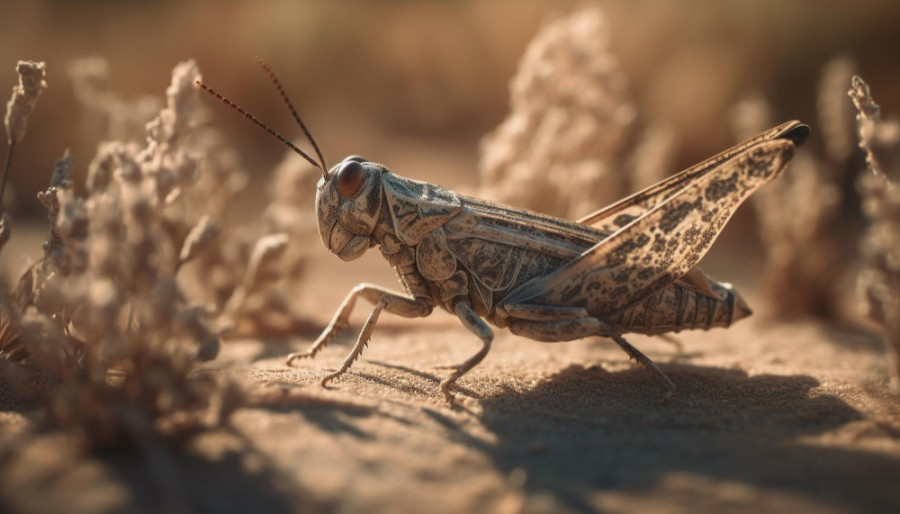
column 265, row 127
column 287, row 100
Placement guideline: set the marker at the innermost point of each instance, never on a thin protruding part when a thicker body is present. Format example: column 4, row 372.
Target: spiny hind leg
column 394, row 303
column 477, row 326
column 571, row 329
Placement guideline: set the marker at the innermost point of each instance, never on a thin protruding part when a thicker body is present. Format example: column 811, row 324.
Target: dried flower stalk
column 266, row 252
column 836, row 117
column 570, row 143
column 800, row 214
column 5, row 230
column 24, row 98
column 105, row 295
column 200, row 237
column 289, row 210
column 879, row 280
column 59, row 181
column 560, row 149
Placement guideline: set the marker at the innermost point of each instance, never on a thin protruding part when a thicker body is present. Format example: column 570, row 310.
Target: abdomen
column 676, row 308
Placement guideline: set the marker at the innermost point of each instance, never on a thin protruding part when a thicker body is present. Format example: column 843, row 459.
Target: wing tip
column 795, row 132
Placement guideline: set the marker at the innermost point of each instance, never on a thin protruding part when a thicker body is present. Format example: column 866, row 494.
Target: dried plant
column 115, row 308
column 879, row 279
column 268, row 305
column 252, row 280
column 5, row 230
column 24, row 98
column 800, row 215
column 222, row 269
column 106, row 112
column 197, row 177
column 103, row 309
column 31, row 84
column 563, row 149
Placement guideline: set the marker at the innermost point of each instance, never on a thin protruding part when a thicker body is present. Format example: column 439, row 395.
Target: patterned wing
column 493, row 241
column 663, row 244
column 621, row 213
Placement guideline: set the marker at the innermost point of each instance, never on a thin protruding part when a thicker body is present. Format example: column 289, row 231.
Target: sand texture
column 767, row 417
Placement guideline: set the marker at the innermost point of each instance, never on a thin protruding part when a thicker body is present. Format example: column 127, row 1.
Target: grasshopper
column 629, row 267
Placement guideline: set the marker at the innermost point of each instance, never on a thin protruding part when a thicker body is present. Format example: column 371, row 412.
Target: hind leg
column 577, row 328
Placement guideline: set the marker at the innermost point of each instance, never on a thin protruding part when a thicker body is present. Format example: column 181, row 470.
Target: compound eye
column 357, row 158
column 350, row 178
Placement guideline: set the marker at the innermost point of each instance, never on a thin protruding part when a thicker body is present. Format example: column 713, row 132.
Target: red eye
column 350, row 178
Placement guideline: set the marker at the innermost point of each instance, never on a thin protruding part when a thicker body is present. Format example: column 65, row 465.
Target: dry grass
column 879, row 279
column 116, row 311
column 103, row 310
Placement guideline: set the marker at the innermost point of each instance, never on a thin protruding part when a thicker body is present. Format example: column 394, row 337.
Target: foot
column 298, row 355
column 446, row 384
column 330, row 378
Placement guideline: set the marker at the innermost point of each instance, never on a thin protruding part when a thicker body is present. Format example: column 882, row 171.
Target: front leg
column 383, row 299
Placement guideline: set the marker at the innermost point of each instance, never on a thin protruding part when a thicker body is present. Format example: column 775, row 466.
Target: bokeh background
column 393, row 77
column 417, row 84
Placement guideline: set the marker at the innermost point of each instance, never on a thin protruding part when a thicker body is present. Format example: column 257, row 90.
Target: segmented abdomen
column 676, row 308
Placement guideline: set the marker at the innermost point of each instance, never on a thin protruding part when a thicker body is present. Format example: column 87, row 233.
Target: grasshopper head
column 348, row 202
column 348, row 197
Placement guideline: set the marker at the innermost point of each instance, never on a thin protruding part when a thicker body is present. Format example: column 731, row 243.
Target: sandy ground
column 767, row 417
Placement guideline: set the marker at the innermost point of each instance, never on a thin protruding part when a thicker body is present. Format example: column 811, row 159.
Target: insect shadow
column 430, row 377
column 331, row 414
column 585, row 431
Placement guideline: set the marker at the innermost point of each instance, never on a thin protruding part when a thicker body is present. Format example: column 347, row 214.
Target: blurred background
column 431, row 73
column 417, row 84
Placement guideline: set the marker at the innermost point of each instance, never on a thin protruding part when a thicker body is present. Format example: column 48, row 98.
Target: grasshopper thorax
column 348, row 204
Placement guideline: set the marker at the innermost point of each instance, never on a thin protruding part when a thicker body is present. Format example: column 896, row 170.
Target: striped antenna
column 290, row 105
column 263, row 126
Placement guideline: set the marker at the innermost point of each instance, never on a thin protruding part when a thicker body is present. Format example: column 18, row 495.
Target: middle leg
column 477, row 326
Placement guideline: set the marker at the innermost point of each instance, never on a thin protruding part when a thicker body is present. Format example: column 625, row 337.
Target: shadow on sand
column 585, row 430
column 236, row 478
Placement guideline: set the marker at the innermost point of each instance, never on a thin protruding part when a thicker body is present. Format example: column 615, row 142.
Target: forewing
column 493, row 241
column 623, row 212
column 489, row 239
column 662, row 245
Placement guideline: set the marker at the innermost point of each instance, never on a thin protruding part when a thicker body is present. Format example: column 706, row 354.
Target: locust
column 628, row 268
